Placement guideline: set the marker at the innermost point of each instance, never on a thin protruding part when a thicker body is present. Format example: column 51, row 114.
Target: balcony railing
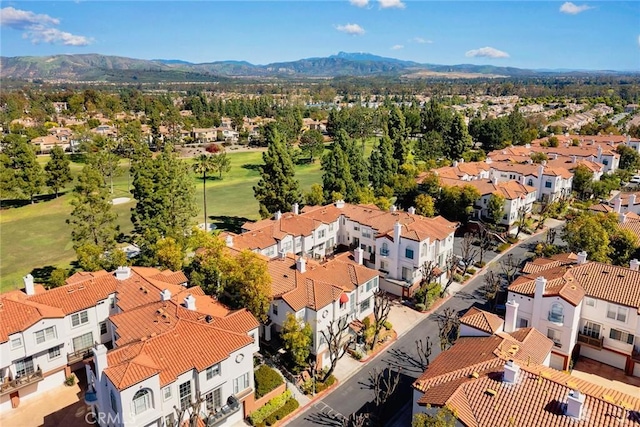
column 217, row 417
column 79, row 355
column 590, row 341
column 555, row 317
column 20, row 382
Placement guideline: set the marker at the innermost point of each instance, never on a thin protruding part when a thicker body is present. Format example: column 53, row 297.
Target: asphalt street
column 355, row 394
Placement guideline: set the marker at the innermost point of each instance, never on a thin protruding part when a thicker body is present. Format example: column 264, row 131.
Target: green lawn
column 37, row 237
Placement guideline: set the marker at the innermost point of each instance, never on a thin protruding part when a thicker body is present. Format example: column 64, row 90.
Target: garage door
column 636, row 370
column 610, row 358
column 557, row 362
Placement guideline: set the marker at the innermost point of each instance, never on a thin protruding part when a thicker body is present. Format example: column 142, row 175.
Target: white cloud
column 573, row 9
column 397, row 47
column 353, row 29
column 487, row 52
column 359, row 3
column 420, row 40
column 388, row 4
column 39, row 28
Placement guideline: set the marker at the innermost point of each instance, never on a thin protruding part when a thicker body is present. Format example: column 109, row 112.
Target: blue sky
column 534, row 34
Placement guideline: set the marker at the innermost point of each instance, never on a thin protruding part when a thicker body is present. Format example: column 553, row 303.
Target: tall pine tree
column 58, row 172
column 277, row 189
column 336, row 177
column 399, row 135
column 383, row 165
column 27, row 177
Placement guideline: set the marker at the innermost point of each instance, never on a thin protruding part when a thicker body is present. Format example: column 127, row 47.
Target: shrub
column 480, row 264
column 387, row 325
column 466, row 277
column 213, row 148
column 289, row 406
column 512, row 239
column 471, row 271
column 267, row 379
column 70, row 380
column 322, row 386
column 420, row 307
column 503, row 247
column 457, row 278
column 260, row 415
column 357, row 355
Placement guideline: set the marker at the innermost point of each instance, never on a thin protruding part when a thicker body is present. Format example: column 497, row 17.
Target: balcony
column 590, row 341
column 216, row 418
column 20, row 382
column 384, row 252
column 79, row 355
column 555, row 318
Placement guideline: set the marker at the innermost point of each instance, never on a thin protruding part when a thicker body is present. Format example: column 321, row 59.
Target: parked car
column 635, row 179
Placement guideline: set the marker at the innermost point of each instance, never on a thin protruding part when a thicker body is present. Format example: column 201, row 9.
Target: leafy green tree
column 164, row 191
column 517, row 126
column 297, row 337
column 277, row 189
column 92, row 219
column 383, row 165
column 587, row 232
column 58, row 277
column 629, row 158
column 249, row 283
column 27, row 178
column 107, row 163
column 492, row 133
column 358, row 167
column 582, row 179
column 315, row 196
column 58, row 172
column 336, row 176
column 444, row 417
column 312, row 144
column 456, row 203
column 201, row 165
column 221, row 163
column 399, row 135
column 425, row 205
column 495, row 208
column 456, row 139
column 169, row 254
column 430, row 146
column 623, row 246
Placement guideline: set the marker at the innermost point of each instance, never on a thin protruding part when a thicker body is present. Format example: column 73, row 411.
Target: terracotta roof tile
column 482, row 320
column 18, row 315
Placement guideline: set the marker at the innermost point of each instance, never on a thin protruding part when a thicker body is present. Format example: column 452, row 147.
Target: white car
column 635, row 179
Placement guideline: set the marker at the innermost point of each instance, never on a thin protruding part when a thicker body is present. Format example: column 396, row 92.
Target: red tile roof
column 17, row 314
column 481, row 320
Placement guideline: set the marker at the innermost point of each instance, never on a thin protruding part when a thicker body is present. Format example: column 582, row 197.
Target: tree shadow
column 402, row 360
column 42, row 274
column 324, row 419
column 18, row 203
column 229, row 223
column 251, row 166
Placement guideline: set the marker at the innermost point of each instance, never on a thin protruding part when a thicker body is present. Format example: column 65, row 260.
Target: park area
column 36, row 238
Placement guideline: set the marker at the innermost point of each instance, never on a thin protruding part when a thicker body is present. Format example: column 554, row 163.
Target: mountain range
column 96, row 67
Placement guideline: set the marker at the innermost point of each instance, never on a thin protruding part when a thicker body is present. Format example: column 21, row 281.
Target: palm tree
column 203, row 164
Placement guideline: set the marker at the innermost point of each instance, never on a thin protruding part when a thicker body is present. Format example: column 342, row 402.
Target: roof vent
column 575, row 404
column 208, row 318
column 491, row 392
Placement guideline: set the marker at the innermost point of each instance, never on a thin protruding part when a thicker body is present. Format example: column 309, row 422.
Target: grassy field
column 36, row 238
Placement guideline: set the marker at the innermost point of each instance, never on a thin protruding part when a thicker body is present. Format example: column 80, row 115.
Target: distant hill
column 95, row 67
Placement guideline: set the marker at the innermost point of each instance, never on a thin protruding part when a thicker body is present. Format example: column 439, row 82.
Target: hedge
column 502, row 247
column 273, row 405
column 267, row 379
column 387, row 325
column 289, row 406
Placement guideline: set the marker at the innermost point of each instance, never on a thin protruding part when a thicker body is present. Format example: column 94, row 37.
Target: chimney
column 511, row 371
column 296, row 208
column 622, row 218
column 282, row 254
column 190, row 302
column 541, row 171
column 527, row 146
column 229, row 241
column 634, row 265
column 599, row 151
column 393, row 208
column 574, row 158
column 632, row 201
column 510, row 315
column 522, row 178
column 411, row 210
column 455, row 163
column 553, row 156
column 339, row 204
column 165, row 295
column 29, row 289
column 100, row 360
column 488, row 160
column 617, row 205
column 123, row 273
column 582, row 258
column 358, row 255
column 494, row 180
column 301, row 264
column 575, row 403
column 397, row 232
column 277, row 215
column 541, row 284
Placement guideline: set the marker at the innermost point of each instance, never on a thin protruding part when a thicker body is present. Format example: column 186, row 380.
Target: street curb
column 379, row 349
column 295, row 414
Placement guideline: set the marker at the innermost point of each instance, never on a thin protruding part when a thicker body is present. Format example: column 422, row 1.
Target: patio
column 606, row 376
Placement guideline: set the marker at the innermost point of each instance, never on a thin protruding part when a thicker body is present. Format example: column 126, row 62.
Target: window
column 555, row 336
column 406, row 273
column 590, row 302
column 103, row 328
column 425, row 249
column 555, row 315
column 81, row 318
column 141, row 401
column 364, row 305
column 16, row 343
column 591, row 329
column 408, row 253
column 617, row 313
column 214, row 400
column 169, row 421
column 384, row 250
column 185, row 394
column 54, row 352
column 530, row 182
column 83, row 341
column 241, row 383
column 330, row 226
column 212, row 371
column 621, row 336
column 166, row 393
column 24, row 366
column 356, row 228
column 45, row 335
column 547, row 184
column 523, row 323
column 114, row 403
column 605, row 162
column 274, row 308
column 320, row 234
column 369, row 285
